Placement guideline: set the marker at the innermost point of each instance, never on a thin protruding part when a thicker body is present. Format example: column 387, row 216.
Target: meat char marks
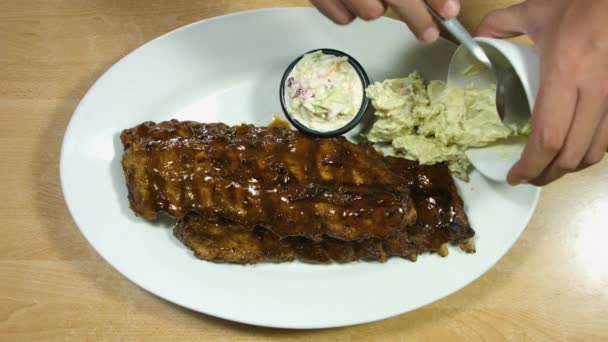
column 248, row 194
column 271, row 177
column 441, row 220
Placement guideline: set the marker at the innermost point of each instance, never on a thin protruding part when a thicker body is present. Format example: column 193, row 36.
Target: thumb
column 504, row 23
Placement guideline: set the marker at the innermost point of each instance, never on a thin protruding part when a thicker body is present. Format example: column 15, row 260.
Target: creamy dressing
column 323, row 92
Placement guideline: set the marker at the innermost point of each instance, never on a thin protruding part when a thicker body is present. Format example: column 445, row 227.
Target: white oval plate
column 228, row 69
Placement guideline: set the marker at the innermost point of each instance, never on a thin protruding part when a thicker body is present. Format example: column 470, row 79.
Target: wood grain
column 553, row 285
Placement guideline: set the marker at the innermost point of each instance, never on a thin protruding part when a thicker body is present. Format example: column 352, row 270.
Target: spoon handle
column 462, row 35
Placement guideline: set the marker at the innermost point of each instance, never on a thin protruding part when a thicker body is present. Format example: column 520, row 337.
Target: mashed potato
column 434, row 123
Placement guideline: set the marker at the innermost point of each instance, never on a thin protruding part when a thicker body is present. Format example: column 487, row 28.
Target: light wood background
column 553, row 285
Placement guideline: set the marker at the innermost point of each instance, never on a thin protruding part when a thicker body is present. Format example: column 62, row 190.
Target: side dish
column 324, row 92
column 433, row 123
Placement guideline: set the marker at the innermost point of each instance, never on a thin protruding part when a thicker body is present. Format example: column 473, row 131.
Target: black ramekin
column 351, row 124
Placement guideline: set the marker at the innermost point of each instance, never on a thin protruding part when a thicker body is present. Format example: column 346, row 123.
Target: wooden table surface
column 553, row 284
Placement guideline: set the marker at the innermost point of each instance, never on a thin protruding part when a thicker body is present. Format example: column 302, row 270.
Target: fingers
column 366, row 9
column 504, row 23
column 417, row 17
column 448, row 9
column 334, row 10
column 599, row 144
column 551, row 122
column 413, row 12
column 589, row 112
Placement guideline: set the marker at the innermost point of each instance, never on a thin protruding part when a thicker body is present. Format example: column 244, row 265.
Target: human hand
column 569, row 121
column 413, row 12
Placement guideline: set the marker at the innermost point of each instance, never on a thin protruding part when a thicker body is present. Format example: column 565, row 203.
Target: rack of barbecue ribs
column 248, row 194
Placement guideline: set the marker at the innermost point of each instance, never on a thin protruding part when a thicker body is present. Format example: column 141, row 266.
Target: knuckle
column 492, row 19
column 367, row 16
column 568, row 164
column 373, row 11
column 569, row 61
column 604, row 88
column 594, row 157
column 539, row 182
column 551, row 140
column 595, row 45
column 344, row 19
column 524, row 173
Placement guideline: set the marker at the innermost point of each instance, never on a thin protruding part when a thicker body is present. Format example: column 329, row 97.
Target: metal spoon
column 508, row 85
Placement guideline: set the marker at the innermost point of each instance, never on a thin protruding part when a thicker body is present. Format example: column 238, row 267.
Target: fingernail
column 451, row 8
column 513, row 180
column 517, row 182
column 430, row 35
